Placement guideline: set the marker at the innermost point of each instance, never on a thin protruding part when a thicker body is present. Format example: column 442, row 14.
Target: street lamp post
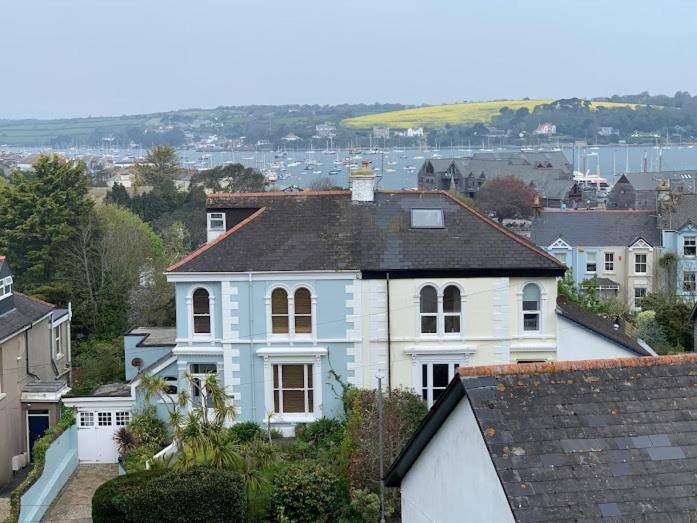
column 381, row 445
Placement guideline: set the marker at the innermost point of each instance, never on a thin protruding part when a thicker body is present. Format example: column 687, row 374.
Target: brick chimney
column 363, row 183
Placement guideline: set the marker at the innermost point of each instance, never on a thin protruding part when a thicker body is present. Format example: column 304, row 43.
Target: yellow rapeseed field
column 458, row 114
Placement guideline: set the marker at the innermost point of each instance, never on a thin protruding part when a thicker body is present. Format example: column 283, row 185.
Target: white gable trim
column 640, row 244
column 560, row 244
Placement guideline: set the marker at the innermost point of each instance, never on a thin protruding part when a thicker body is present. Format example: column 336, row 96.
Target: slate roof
column 596, row 228
column 154, row 336
column 26, row 311
column 682, row 211
column 648, row 181
column 329, row 232
column 600, row 325
column 583, row 440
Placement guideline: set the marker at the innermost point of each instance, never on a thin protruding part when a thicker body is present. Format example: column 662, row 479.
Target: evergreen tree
column 161, row 164
column 118, row 196
column 40, row 212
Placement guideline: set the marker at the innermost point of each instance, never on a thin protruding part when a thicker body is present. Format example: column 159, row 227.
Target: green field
column 455, row 114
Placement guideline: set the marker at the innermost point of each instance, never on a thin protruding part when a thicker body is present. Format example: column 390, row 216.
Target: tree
column 232, row 178
column 113, row 252
column 323, row 184
column 41, row 212
column 673, row 317
column 161, row 164
column 649, row 330
column 118, row 196
column 506, row 197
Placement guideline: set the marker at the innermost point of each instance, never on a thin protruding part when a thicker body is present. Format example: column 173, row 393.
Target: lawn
column 456, row 114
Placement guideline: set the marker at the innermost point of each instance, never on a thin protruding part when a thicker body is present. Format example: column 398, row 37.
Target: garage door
column 95, row 435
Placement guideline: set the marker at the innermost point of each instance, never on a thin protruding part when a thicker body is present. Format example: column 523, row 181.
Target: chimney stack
column 363, row 183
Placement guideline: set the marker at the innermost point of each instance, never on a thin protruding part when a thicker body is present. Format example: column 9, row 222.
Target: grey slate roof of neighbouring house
column 679, row 213
column 26, row 311
column 583, row 440
column 596, row 228
column 329, row 231
column 602, row 326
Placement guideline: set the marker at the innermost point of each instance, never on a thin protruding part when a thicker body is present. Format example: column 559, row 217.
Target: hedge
column 198, row 495
column 306, row 493
column 38, row 456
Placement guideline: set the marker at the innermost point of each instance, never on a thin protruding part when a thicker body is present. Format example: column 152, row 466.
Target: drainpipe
column 251, row 345
column 389, row 338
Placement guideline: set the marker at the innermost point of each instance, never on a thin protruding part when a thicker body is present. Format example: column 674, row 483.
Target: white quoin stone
column 363, row 184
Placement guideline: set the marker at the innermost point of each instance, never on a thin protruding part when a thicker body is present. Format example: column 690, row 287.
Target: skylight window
column 427, row 219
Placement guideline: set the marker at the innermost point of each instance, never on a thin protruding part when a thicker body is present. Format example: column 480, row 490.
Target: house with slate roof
column 602, row 440
column 678, row 221
column 619, row 248
column 34, row 371
column 550, row 173
column 296, row 294
column 642, row 190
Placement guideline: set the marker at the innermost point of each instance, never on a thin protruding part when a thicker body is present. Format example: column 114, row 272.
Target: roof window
column 427, row 219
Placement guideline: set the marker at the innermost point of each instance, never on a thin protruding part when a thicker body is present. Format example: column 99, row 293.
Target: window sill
column 3, row 395
column 278, row 419
column 59, row 356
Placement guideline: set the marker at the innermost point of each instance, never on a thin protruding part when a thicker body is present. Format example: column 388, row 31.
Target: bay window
column 293, row 389
column 531, row 308
column 201, row 312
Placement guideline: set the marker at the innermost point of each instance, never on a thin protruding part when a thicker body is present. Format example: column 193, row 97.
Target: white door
column 95, row 434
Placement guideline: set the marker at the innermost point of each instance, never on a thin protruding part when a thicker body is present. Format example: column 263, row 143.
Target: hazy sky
column 109, row 57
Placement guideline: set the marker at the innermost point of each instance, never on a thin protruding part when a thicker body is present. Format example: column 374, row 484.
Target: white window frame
column 609, row 262
column 108, row 418
column 637, row 263
column 451, row 361
column 217, row 217
column 440, row 312
column 588, row 262
column 291, row 334
column 561, row 256
column 308, row 370
column 122, row 418
column 201, row 336
column 693, row 245
column 538, row 312
column 5, row 287
column 198, row 380
column 293, row 356
column 87, row 420
column 57, row 342
column 693, row 283
column 639, row 297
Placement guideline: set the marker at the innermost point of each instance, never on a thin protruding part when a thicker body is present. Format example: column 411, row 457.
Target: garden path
column 74, row 502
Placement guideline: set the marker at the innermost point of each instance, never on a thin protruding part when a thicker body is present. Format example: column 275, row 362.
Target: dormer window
column 5, row 287
column 427, row 219
column 216, row 221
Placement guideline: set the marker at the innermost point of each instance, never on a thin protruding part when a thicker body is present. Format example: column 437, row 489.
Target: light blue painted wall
column 149, row 354
column 61, row 461
column 331, row 314
column 673, row 241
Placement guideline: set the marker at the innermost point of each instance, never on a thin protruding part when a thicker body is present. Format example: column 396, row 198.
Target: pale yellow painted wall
column 491, row 328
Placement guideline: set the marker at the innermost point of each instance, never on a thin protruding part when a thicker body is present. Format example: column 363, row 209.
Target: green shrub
column 197, row 495
column 150, row 430
column 364, row 507
column 246, row 432
column 306, row 492
column 325, row 432
column 403, row 411
column 110, row 496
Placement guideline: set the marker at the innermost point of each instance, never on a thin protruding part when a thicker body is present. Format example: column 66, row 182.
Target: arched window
column 451, row 309
column 303, row 311
column 531, row 307
column 279, row 311
column 202, row 312
column 429, row 310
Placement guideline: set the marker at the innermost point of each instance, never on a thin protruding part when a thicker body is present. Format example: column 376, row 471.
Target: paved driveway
column 74, row 502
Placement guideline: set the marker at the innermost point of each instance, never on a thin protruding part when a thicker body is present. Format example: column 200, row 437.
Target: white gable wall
column 454, row 479
column 578, row 343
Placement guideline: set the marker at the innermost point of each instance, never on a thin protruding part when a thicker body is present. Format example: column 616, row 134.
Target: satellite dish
column 137, row 362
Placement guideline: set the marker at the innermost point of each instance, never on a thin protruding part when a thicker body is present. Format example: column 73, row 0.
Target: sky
column 65, row 58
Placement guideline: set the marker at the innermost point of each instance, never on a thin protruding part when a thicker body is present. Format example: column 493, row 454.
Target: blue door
column 37, row 425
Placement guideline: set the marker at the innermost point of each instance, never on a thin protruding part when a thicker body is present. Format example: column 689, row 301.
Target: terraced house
column 619, row 248
column 297, row 295
column 34, row 371
column 679, row 230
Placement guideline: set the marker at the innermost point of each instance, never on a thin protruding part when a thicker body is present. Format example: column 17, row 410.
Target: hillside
column 454, row 114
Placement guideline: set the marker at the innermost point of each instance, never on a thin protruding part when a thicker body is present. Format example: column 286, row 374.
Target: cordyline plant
column 200, row 432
